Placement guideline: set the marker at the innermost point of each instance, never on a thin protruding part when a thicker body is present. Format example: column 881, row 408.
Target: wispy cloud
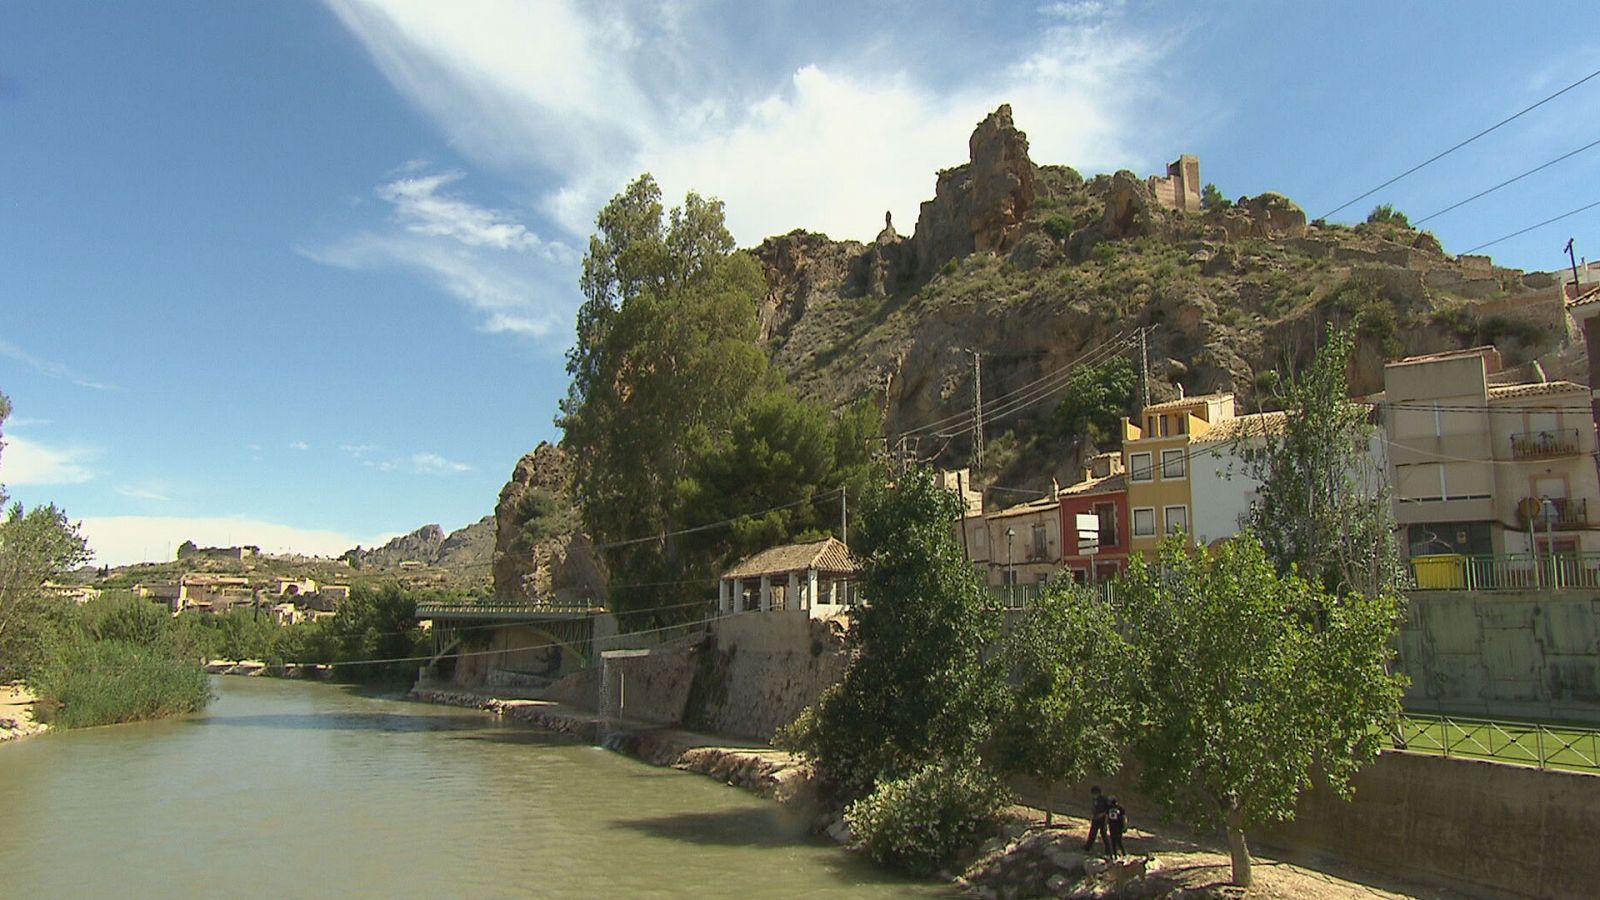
column 51, row 368
column 299, row 445
column 357, row 451
column 516, row 281
column 25, row 462
column 419, row 463
column 827, row 144
column 154, row 493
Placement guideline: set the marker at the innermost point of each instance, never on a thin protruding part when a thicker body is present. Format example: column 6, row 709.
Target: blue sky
column 301, row 274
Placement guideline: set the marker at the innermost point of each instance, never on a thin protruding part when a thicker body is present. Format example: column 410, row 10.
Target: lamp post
column 1011, row 570
column 1548, row 507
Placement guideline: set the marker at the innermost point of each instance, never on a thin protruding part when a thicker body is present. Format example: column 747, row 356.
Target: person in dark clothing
column 1097, row 820
column 1116, row 824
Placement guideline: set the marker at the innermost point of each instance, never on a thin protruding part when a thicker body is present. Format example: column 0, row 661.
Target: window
column 1139, row 467
column 1038, row 542
column 1177, row 519
column 1144, row 521
column 1164, row 425
column 1108, row 523
column 1172, row 463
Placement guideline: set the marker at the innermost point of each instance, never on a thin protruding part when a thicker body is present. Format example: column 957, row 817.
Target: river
column 292, row 789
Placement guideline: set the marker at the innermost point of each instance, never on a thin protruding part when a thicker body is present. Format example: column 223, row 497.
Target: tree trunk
column 1049, row 803
column 1237, row 850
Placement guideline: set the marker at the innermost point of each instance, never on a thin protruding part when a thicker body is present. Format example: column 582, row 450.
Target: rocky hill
column 1035, row 266
column 540, row 554
column 464, row 548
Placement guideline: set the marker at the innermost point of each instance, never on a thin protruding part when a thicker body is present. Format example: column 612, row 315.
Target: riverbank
column 16, row 713
column 1027, row 859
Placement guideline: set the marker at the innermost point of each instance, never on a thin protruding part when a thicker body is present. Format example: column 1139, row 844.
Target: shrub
column 106, row 682
column 919, row 822
column 1386, row 214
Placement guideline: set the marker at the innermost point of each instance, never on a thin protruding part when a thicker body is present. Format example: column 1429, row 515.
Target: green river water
column 288, row 789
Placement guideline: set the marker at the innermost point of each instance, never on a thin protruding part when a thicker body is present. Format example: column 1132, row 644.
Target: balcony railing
column 1545, row 444
column 1519, row 572
column 1561, row 512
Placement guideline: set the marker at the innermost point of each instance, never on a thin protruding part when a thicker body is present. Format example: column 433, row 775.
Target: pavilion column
column 766, row 593
column 791, row 597
column 724, row 603
column 811, row 589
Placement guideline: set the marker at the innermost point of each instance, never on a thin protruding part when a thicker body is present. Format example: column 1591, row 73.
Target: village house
column 1103, row 493
column 1155, row 456
column 817, row 578
column 1483, row 468
column 1024, row 547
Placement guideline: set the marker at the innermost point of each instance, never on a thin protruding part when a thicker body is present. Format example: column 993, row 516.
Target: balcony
column 1559, row 512
column 1546, row 444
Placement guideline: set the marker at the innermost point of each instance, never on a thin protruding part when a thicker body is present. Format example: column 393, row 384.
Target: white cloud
column 24, row 462
column 143, row 492
column 579, row 98
column 357, row 451
column 299, row 445
column 51, row 368
column 420, row 463
column 422, row 209
column 120, row 540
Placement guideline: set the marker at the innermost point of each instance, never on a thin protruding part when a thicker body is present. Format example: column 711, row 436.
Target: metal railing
column 1525, row 743
column 1545, row 444
column 1561, row 512
column 1515, row 572
column 444, row 608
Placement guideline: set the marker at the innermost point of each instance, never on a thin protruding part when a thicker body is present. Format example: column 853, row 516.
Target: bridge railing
column 438, row 609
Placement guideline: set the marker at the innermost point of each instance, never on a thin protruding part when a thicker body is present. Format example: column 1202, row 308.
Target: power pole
column 844, row 519
column 977, row 408
column 1573, row 256
column 1144, row 372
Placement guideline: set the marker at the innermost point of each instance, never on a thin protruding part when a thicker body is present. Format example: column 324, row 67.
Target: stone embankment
column 255, row 668
column 16, row 713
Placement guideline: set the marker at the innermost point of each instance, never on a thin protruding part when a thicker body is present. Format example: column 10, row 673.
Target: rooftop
column 827, row 555
column 1484, row 350
column 1183, row 402
column 1239, row 427
column 1109, row 484
column 1044, row 504
column 1544, row 389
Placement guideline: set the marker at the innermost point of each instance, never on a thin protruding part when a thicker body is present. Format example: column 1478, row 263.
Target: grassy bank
column 106, row 682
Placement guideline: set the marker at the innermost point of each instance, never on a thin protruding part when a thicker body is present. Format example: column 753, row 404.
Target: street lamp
column 1011, row 570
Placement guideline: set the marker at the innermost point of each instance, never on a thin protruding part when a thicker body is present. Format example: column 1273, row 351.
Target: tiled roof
column 1107, row 485
column 1186, row 401
column 1032, row 506
column 1445, row 354
column 1587, row 298
column 1253, row 425
column 1545, row 389
column 828, row 555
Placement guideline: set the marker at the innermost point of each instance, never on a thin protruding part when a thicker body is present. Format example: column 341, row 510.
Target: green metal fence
column 1510, row 572
column 1572, row 748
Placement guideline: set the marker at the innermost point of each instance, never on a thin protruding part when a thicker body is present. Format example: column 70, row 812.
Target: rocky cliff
column 1035, row 266
column 539, row 552
column 463, row 548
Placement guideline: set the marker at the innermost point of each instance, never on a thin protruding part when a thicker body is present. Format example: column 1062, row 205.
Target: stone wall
column 749, row 676
column 1486, row 829
column 1518, row 654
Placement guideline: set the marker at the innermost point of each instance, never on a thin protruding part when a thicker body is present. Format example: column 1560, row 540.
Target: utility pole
column 1144, row 372
column 844, row 519
column 1573, row 256
column 977, row 408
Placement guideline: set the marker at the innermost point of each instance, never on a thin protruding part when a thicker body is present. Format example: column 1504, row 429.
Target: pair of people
column 1107, row 821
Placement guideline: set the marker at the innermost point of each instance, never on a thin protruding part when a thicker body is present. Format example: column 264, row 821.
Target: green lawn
column 1555, row 747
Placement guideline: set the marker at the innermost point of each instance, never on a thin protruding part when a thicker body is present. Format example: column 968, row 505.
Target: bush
column 919, row 822
column 107, row 682
column 1386, row 214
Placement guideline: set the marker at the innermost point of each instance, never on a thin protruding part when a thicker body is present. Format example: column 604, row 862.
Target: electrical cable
column 1506, row 182
column 1437, row 157
column 1523, row 231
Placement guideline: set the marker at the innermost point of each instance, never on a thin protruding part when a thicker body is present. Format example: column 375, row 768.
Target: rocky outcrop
column 1268, row 216
column 980, row 206
column 796, row 265
column 430, row 545
column 539, row 555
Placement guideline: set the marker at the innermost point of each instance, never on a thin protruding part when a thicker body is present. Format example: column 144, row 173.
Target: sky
column 302, row 274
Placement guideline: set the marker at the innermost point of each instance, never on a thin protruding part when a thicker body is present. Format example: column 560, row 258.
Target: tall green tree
column 1248, row 678
column 36, row 545
column 665, row 359
column 1324, row 506
column 1069, row 708
column 916, row 693
column 1096, row 399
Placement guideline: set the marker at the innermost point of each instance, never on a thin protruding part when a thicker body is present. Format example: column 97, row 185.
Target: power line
column 1506, row 182
column 1532, row 227
column 826, row 495
column 1437, row 157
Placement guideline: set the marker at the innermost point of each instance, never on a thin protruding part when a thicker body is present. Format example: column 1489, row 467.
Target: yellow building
column 1155, row 455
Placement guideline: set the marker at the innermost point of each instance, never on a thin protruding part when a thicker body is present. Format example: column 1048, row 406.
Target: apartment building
column 1481, row 467
column 1155, row 454
column 1103, row 493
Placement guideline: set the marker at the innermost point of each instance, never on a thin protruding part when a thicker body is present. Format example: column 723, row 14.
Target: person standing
column 1116, row 824
column 1097, row 820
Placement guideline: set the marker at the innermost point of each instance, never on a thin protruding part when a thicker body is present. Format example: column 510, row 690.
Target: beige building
column 1483, row 468
column 1155, row 454
column 1019, row 545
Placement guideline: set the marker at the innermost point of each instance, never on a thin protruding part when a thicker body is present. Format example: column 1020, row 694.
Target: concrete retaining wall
column 1523, row 655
